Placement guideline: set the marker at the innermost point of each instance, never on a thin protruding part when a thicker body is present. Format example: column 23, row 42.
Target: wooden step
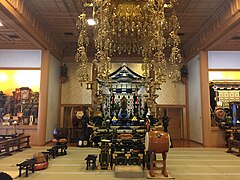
column 128, row 171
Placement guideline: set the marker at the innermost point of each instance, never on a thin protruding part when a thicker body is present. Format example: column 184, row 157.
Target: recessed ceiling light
column 13, row 36
column 68, row 33
column 181, row 34
column 91, row 22
column 1, row 24
column 235, row 38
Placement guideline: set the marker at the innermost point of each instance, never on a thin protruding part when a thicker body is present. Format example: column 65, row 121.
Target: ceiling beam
column 225, row 33
column 26, row 28
column 22, row 25
column 220, row 22
column 19, row 30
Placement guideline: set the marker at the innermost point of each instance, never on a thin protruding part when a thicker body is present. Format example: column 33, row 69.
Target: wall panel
column 20, row 58
column 195, row 118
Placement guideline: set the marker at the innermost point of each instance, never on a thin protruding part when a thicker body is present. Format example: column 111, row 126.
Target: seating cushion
column 40, row 166
column 55, row 140
column 40, row 158
column 62, row 140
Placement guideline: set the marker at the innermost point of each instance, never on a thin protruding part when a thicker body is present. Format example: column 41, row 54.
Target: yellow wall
column 224, row 75
column 11, row 79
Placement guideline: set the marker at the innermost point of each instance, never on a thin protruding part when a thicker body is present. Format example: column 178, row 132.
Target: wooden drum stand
column 157, row 141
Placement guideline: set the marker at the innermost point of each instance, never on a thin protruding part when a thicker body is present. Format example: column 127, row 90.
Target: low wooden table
column 46, row 154
column 63, row 147
column 233, row 144
column 91, row 161
column 26, row 165
column 53, row 151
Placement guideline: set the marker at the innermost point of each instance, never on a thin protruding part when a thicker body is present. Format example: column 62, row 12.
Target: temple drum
column 157, row 141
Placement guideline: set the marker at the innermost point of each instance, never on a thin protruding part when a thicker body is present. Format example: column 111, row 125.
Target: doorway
column 175, row 124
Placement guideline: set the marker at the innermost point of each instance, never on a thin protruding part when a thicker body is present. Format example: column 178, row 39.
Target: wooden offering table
column 233, row 144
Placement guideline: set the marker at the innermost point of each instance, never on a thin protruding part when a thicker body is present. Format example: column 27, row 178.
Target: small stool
column 91, row 160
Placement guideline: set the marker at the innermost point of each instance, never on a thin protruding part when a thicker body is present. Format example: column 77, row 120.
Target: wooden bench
column 27, row 165
column 233, row 144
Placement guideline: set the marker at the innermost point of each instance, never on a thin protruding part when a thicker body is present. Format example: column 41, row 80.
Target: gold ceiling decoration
column 102, row 39
column 128, row 21
column 81, row 55
column 143, row 27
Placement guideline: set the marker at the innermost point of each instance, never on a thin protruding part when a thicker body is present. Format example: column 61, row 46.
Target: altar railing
column 13, row 145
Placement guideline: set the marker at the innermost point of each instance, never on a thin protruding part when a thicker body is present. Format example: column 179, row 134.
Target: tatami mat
column 182, row 163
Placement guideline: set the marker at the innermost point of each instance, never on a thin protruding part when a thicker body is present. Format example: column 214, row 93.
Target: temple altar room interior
column 120, row 89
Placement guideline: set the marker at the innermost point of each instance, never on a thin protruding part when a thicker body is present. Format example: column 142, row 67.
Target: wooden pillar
column 60, row 102
column 206, row 117
column 186, row 123
column 43, row 98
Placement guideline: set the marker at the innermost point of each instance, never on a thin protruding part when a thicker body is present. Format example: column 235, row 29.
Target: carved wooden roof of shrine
column 125, row 74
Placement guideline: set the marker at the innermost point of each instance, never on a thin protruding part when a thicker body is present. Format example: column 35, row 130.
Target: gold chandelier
column 138, row 27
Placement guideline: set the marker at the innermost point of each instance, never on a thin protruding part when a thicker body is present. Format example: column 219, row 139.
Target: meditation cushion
column 40, row 158
column 40, row 166
column 41, row 162
column 55, row 140
column 62, row 140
